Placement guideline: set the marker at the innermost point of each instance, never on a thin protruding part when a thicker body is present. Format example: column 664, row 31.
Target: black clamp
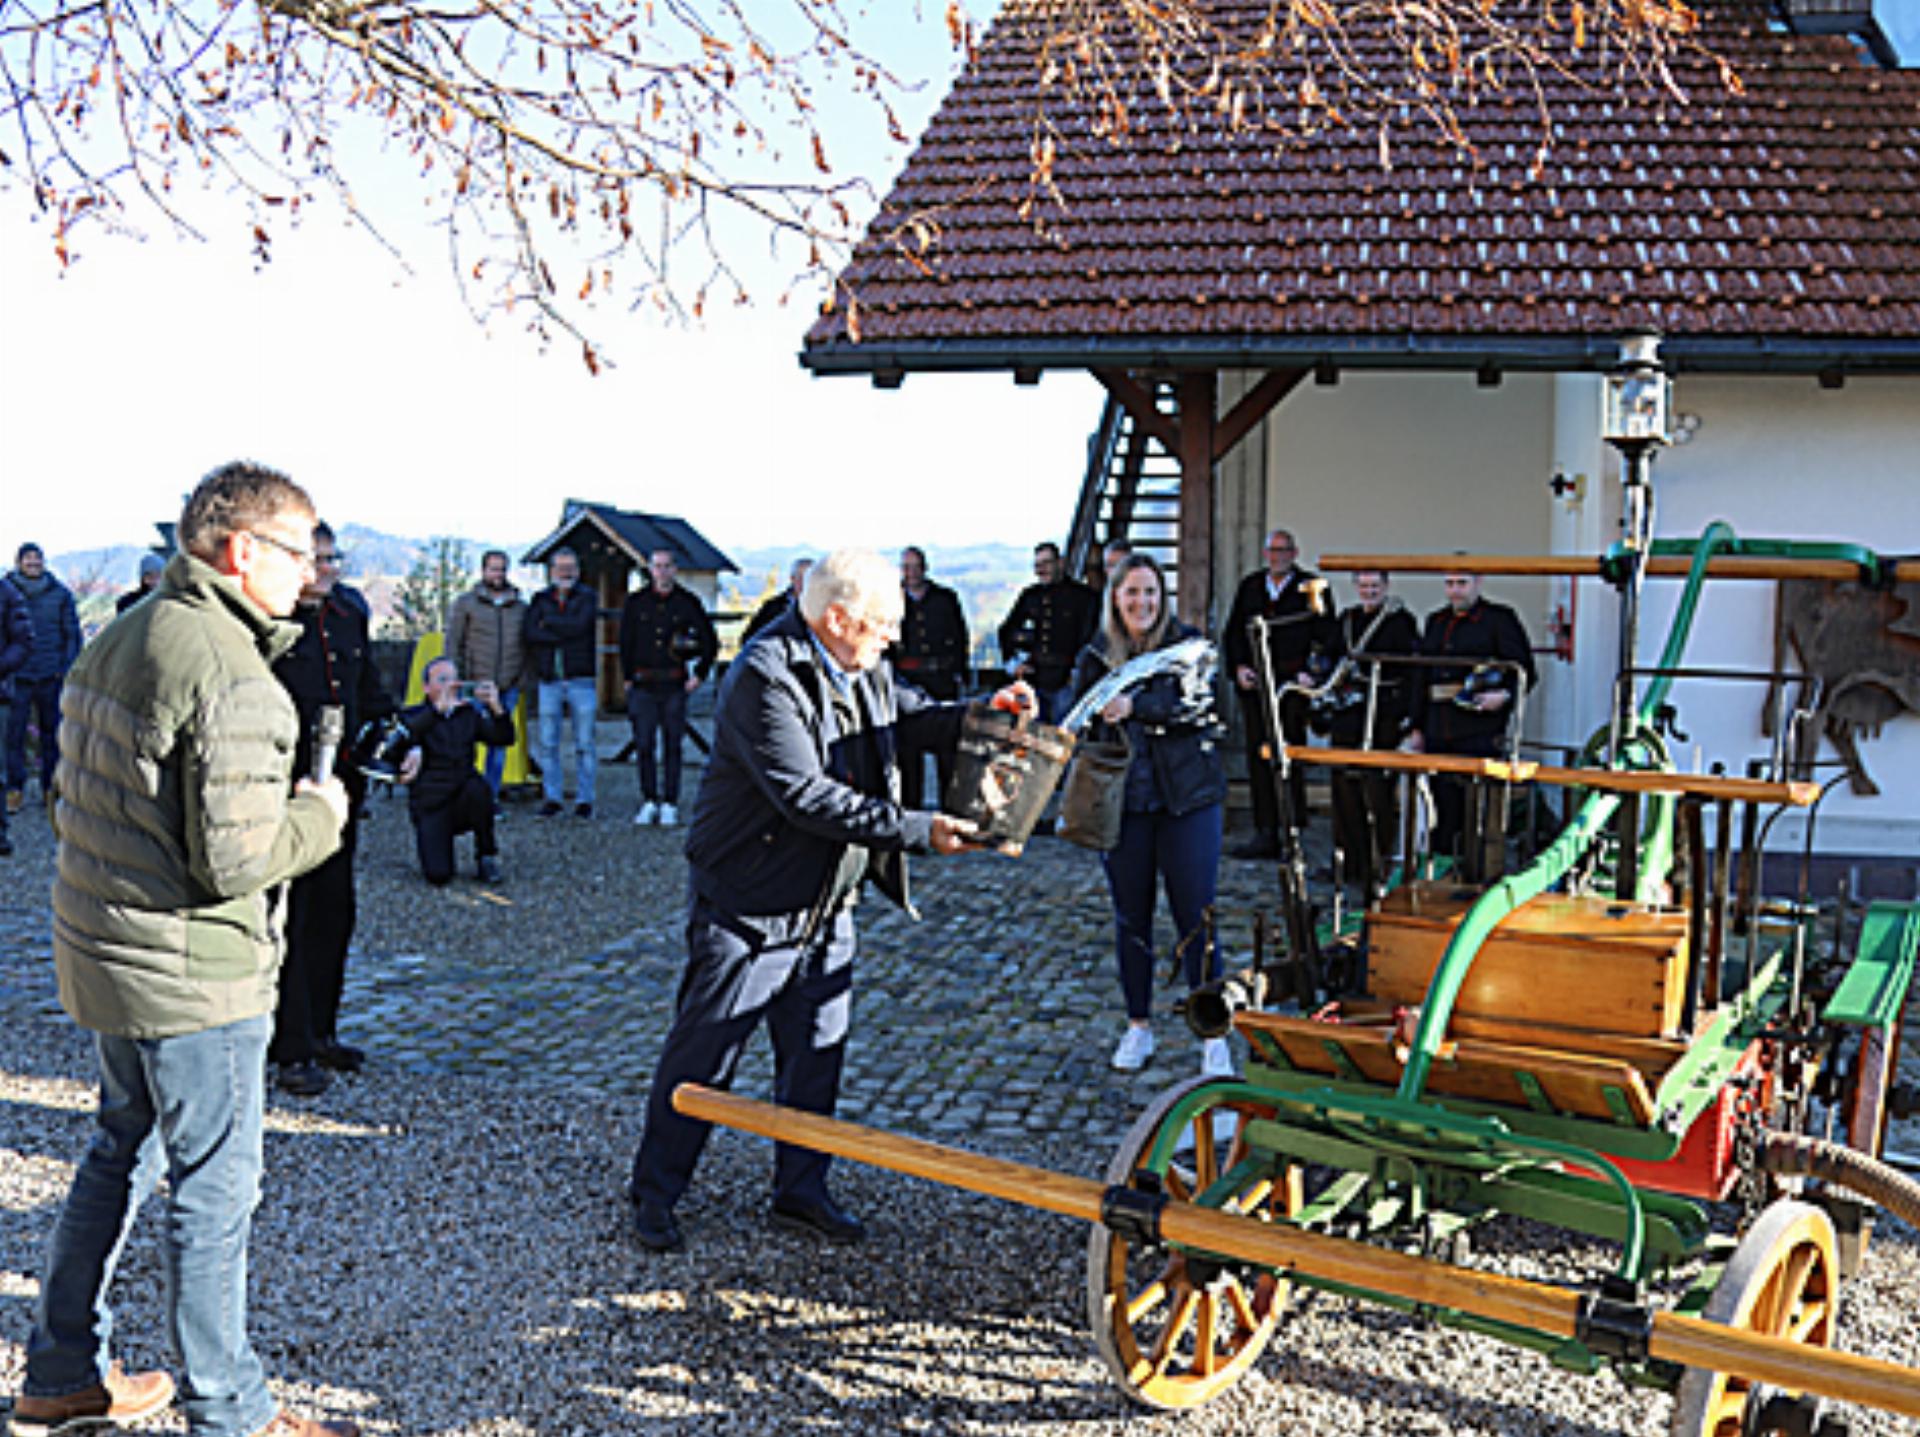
column 1132, row 1211
column 1615, row 1323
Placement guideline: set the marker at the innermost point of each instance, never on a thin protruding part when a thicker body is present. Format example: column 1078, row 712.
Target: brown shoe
column 289, row 1425
column 16, row 800
column 120, row 1400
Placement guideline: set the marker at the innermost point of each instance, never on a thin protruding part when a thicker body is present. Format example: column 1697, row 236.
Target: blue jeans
column 1184, row 854
column 188, row 1107
column 658, row 710
column 497, row 757
column 36, row 701
column 583, row 699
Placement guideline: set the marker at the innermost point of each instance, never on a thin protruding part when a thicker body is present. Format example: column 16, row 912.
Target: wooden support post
column 1199, row 395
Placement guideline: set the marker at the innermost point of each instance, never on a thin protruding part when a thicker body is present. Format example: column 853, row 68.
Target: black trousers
column 740, row 971
column 913, row 773
column 470, row 810
column 1450, row 793
column 321, row 908
column 1260, row 770
column 658, row 710
column 1366, row 818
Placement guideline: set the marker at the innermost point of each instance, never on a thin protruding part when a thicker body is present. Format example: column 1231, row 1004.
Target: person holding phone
column 446, row 795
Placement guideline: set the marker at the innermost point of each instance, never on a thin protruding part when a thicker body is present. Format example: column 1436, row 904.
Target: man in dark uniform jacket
column 798, row 811
column 1446, row 719
column 1294, row 603
column 667, row 649
column 446, row 794
column 931, row 654
column 780, row 604
column 1043, row 633
column 331, row 664
column 1365, row 808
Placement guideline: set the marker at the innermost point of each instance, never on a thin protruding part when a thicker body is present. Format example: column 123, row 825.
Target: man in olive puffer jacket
column 176, row 818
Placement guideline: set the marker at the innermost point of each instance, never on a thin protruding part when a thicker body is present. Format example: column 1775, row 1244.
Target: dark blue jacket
column 1174, row 730
column 563, row 639
column 771, row 823
column 16, row 634
column 56, row 626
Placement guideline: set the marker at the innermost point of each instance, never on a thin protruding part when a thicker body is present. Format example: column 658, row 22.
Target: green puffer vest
column 175, row 814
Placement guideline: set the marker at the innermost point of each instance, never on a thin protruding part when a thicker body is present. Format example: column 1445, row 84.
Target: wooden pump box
column 1580, row 963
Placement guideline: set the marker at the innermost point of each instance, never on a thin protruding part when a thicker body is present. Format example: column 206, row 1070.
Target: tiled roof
column 1777, row 228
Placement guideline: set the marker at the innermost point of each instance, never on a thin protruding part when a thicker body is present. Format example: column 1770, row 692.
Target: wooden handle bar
column 1586, row 566
column 1697, row 785
column 1694, row 785
column 1690, row 1341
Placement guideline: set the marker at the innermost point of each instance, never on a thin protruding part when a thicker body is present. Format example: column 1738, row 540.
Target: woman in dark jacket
column 1175, row 787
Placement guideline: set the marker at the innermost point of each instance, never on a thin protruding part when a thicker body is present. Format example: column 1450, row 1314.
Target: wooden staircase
column 1131, row 490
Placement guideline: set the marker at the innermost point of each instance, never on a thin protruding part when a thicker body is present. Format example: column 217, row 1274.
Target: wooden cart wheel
column 1174, row 1337
column 1784, row 1281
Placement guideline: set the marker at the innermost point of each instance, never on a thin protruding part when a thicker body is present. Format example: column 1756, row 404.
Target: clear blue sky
column 151, row 360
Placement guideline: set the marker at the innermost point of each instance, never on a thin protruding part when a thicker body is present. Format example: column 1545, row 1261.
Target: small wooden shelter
column 612, row 545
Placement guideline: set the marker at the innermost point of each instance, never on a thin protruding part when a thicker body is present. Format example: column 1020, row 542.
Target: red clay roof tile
column 1793, row 209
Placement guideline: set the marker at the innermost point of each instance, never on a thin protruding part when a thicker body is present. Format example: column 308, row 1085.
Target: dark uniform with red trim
column 330, row 663
column 931, row 654
column 1366, row 809
column 1299, row 623
column 1049, row 624
column 1482, row 631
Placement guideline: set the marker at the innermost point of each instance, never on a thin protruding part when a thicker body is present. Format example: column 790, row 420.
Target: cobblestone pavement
column 992, row 1016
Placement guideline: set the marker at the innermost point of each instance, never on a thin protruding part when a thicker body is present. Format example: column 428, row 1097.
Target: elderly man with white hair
column 799, row 808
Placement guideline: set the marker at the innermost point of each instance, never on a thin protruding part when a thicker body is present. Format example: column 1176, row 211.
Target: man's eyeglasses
column 296, row 552
column 333, row 560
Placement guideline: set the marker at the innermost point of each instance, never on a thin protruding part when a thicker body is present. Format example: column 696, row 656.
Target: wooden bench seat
column 1582, row 1084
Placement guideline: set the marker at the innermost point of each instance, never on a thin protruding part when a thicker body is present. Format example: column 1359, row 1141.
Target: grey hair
column 859, row 581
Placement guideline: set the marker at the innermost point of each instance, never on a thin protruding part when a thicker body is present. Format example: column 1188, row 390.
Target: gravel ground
column 443, row 1253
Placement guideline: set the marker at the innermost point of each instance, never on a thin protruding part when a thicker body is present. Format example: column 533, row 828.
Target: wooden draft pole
column 1671, row 1337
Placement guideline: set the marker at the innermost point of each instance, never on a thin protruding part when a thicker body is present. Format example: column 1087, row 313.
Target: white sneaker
column 1136, row 1046
column 1216, row 1059
column 669, row 815
column 649, row 813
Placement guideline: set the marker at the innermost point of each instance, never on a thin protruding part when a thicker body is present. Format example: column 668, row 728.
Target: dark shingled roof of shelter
column 640, row 534
column 1777, row 229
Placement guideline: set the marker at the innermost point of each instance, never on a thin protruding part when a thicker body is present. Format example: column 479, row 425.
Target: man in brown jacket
column 177, row 819
column 487, row 643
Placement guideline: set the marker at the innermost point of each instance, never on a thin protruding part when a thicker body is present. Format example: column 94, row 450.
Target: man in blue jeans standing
column 36, row 687
column 176, row 819
column 562, row 645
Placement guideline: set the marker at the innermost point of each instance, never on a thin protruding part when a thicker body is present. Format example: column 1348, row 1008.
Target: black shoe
column 303, row 1080
column 488, row 868
column 824, row 1219
column 6, row 846
column 583, row 810
column 1261, row 845
column 654, row 1227
column 550, row 808
column 340, row 1057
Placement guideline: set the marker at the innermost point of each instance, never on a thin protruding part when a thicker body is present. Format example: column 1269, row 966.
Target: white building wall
column 1785, row 459
column 1406, row 464
column 1434, row 463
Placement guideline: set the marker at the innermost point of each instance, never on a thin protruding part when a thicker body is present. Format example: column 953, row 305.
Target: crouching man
column 446, row 795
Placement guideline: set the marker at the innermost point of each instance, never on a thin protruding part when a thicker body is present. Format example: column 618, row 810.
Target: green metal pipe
column 1558, row 859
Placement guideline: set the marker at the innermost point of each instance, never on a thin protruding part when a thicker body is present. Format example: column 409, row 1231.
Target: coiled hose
column 1794, row 1156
